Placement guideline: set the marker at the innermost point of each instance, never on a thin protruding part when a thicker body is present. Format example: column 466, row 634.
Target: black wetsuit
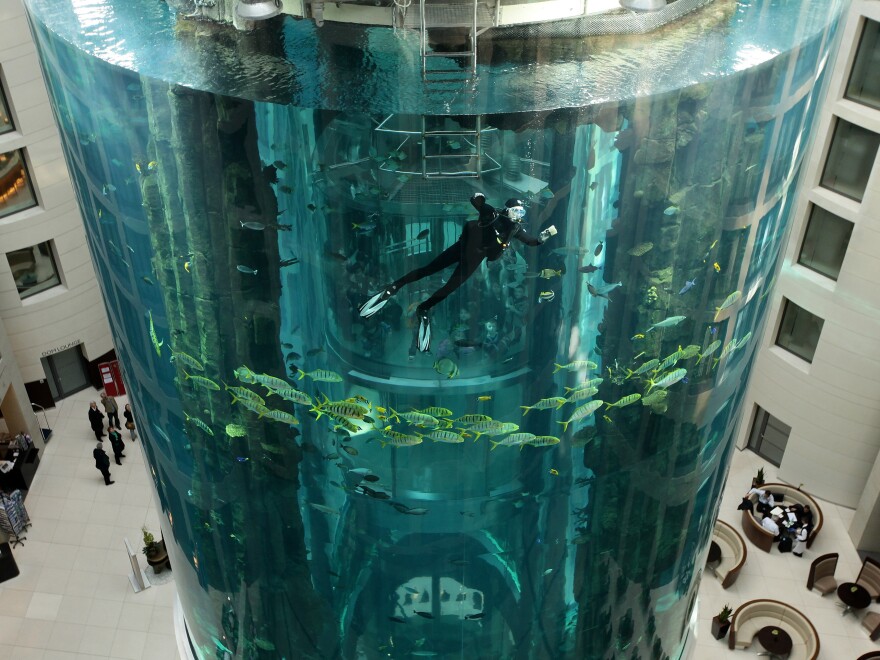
column 485, row 238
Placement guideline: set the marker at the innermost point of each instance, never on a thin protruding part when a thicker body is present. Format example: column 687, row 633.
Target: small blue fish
column 246, row 270
column 688, row 285
column 364, row 227
column 713, row 331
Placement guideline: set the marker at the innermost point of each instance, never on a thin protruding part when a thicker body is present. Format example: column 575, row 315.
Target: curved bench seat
column 761, row 537
column 733, row 553
column 753, row 615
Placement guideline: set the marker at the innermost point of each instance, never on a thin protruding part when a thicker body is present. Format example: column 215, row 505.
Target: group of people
column 794, row 522
column 96, row 419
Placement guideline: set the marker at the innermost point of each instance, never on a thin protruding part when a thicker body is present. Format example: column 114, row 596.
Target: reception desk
column 22, row 473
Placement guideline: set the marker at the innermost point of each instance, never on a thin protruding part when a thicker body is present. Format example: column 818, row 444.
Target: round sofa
column 751, row 525
column 733, row 553
column 753, row 615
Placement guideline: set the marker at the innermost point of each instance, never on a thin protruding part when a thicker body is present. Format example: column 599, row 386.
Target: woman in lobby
column 129, row 420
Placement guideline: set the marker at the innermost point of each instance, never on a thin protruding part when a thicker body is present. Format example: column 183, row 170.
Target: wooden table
column 854, row 597
column 777, row 642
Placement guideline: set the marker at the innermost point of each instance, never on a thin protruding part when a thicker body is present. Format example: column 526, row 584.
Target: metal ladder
column 442, row 160
column 444, row 152
column 474, row 15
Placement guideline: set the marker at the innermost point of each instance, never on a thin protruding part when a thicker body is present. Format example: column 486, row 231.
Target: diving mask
column 516, row 213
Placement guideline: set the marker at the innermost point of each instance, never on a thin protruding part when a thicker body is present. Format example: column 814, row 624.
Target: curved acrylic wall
column 238, row 237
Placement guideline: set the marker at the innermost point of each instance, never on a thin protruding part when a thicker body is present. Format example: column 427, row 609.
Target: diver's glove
column 547, row 233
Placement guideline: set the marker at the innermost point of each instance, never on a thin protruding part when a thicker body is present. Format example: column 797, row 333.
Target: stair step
column 452, row 175
column 457, row 53
column 449, row 74
column 449, row 133
column 450, row 15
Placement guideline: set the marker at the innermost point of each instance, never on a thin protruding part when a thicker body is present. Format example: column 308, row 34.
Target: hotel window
column 825, row 242
column 16, row 193
column 850, row 159
column 6, row 125
column 799, row 331
column 33, row 269
column 864, row 82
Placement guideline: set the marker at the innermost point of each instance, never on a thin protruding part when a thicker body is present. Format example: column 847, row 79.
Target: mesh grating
column 437, row 191
column 451, row 15
column 617, row 22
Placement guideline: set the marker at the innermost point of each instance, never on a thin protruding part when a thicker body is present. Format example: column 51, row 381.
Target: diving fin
column 424, row 333
column 377, row 302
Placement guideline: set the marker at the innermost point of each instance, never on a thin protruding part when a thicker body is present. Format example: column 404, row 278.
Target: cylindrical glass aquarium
column 541, row 482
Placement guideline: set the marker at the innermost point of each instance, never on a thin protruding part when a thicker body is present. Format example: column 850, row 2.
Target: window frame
column 28, row 181
column 782, row 317
column 54, row 260
column 800, row 254
column 6, row 104
column 858, row 63
column 827, row 182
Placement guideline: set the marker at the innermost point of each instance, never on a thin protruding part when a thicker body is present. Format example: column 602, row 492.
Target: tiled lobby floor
column 784, row 577
column 73, row 600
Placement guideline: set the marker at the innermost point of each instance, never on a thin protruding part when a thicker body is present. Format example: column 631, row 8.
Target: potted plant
column 151, row 546
column 759, row 479
column 721, row 622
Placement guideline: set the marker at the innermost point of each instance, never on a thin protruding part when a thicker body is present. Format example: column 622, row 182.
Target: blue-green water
column 237, row 221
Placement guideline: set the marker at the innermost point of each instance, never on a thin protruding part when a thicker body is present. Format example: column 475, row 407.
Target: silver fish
column 246, row 270
column 667, row 323
column 256, row 226
column 688, row 285
column 608, row 288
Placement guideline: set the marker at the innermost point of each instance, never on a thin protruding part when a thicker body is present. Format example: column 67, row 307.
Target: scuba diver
column 484, row 238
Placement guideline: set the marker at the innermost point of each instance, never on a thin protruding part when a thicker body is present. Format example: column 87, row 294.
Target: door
column 66, row 372
column 769, row 436
column 111, row 377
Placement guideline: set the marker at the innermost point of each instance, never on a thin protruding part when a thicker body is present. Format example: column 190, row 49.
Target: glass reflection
column 541, row 483
column 16, row 193
column 825, row 242
column 6, row 124
column 33, row 269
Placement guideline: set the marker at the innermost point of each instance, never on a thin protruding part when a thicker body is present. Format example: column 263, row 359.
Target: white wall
column 73, row 311
column 833, row 404
column 11, row 377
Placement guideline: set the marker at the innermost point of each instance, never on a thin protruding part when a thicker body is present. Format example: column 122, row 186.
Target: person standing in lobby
column 102, row 462
column 117, row 444
column 96, row 419
column 129, row 420
column 801, row 544
column 112, row 410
